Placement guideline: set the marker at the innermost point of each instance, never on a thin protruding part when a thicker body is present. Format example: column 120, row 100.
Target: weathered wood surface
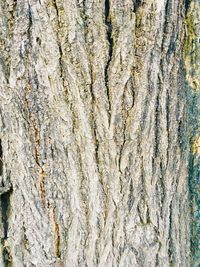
column 94, row 133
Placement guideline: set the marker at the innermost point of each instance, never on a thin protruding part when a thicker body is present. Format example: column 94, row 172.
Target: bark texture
column 95, row 120
column 192, row 67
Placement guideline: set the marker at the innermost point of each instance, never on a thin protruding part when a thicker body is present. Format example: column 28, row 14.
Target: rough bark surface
column 94, row 133
column 192, row 67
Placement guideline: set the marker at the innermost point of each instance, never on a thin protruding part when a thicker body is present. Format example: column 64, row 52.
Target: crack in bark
column 157, row 132
column 162, row 188
column 136, row 5
column 187, row 5
column 131, row 198
column 170, row 246
column 30, row 23
column 167, row 107
column 96, row 141
column 56, row 8
column 37, row 156
column 143, row 193
column 5, row 209
column 96, row 148
column 5, row 194
column 125, row 122
column 165, row 30
column 59, row 42
column 1, row 158
column 108, row 23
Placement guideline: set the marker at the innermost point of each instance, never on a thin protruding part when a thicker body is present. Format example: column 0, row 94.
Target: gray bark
column 192, row 70
column 94, row 133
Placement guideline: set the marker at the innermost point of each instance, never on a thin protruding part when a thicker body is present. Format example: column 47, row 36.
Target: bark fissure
column 1, row 159
column 187, row 5
column 168, row 122
column 59, row 25
column 131, row 198
column 136, row 5
column 170, row 245
column 94, row 126
column 30, row 23
column 157, row 130
column 108, row 22
column 166, row 25
column 162, row 188
column 5, row 209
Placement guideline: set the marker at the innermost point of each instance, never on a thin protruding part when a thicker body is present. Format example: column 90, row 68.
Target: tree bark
column 95, row 127
column 192, row 70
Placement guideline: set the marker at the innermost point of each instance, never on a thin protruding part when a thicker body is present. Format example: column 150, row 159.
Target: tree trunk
column 97, row 112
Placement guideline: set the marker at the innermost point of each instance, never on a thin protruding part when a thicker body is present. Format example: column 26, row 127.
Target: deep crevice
column 170, row 246
column 30, row 17
column 136, row 5
column 96, row 147
column 5, row 204
column 5, row 194
column 162, row 187
column 167, row 107
column 167, row 20
column 187, row 5
column 157, row 128
column 1, row 158
column 108, row 23
column 131, row 198
column 56, row 8
column 5, row 210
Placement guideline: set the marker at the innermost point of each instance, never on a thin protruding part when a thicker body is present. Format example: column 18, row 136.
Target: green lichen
column 190, row 35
